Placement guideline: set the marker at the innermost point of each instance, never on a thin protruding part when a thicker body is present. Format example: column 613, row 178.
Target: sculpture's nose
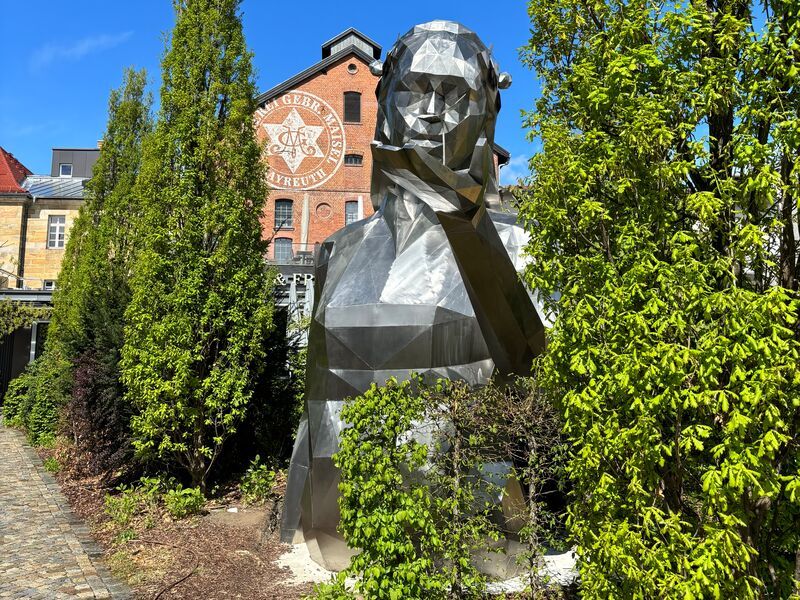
column 433, row 107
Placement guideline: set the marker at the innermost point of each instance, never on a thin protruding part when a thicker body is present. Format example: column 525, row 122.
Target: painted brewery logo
column 304, row 140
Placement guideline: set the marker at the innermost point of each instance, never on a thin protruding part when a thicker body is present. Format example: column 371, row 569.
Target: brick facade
column 323, row 207
column 318, row 209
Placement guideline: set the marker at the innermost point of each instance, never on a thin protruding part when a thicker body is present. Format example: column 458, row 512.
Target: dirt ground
column 217, row 555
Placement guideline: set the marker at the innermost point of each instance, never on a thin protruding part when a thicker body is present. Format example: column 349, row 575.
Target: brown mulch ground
column 196, row 558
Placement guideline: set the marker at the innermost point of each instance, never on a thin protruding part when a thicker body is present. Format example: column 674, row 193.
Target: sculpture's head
column 439, row 91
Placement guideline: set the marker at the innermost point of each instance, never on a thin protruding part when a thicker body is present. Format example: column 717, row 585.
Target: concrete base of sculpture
column 560, row 569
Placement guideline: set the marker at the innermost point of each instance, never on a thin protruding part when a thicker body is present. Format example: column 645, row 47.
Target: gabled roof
column 354, row 42
column 12, row 174
column 503, row 155
column 44, row 186
column 358, row 39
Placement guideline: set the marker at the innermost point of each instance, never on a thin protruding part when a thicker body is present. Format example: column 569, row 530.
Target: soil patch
column 218, row 555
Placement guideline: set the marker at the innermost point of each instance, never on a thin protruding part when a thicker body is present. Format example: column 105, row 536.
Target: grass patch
column 51, row 465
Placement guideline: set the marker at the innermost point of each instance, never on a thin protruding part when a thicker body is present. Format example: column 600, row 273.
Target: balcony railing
column 281, row 253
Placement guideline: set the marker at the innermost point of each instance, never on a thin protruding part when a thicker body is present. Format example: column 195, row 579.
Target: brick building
column 318, row 126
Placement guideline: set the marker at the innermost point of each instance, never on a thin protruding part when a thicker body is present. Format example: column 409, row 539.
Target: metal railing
column 296, row 253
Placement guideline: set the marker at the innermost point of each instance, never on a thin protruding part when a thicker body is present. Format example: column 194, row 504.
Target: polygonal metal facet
column 429, row 284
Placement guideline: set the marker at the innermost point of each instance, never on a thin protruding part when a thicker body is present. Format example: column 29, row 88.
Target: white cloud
column 51, row 53
column 516, row 169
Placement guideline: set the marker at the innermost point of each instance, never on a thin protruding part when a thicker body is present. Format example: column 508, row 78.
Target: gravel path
column 45, row 550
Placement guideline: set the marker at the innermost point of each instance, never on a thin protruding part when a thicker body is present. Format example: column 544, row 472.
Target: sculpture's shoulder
column 513, row 235
column 342, row 244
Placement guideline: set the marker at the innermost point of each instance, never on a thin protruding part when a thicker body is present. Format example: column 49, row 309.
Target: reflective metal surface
column 428, row 284
column 44, row 186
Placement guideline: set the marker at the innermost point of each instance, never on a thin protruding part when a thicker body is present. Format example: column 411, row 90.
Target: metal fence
column 291, row 253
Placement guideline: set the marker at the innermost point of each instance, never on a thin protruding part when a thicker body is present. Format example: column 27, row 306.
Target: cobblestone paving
column 45, row 550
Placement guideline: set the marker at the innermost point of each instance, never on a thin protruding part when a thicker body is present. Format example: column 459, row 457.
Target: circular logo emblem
column 304, row 140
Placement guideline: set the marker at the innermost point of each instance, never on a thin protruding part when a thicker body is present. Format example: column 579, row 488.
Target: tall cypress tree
column 93, row 291
column 93, row 287
column 201, row 308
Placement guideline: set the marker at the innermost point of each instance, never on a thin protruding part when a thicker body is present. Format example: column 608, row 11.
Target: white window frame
column 61, row 169
column 56, row 232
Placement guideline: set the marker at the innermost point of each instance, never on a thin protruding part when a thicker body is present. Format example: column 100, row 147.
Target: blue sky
column 61, row 59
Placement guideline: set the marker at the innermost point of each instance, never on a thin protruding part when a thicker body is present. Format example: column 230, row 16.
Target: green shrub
column 257, row 482
column 335, row 589
column 182, row 502
column 123, row 506
column 34, row 399
column 51, row 465
column 140, row 499
column 14, row 401
column 384, row 511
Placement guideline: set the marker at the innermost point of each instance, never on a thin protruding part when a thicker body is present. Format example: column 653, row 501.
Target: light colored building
column 36, row 214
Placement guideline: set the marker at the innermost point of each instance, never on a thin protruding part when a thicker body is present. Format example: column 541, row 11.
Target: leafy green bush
column 34, row 399
column 384, row 511
column 182, row 502
column 123, row 506
column 257, row 482
column 662, row 213
column 51, row 465
column 135, row 501
column 14, row 401
column 418, row 512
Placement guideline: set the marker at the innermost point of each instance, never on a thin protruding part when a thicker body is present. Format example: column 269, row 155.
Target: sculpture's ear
column 504, row 81
column 376, row 67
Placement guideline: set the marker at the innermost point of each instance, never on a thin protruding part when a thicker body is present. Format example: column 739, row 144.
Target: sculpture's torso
column 429, row 284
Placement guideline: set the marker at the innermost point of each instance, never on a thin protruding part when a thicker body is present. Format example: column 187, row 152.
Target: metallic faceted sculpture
column 428, row 284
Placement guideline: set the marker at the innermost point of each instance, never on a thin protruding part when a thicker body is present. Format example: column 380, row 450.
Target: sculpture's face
column 438, row 92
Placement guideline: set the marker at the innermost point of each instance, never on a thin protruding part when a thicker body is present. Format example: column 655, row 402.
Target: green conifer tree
column 93, row 285
column 92, row 293
column 201, row 305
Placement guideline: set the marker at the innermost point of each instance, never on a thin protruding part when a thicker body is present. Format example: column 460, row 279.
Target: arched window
column 283, row 214
column 353, row 160
column 352, row 107
column 282, row 250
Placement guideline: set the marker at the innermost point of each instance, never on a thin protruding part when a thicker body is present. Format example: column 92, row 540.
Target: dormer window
column 65, row 170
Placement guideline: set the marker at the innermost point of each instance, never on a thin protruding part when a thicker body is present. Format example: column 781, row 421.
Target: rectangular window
column 49, row 285
column 283, row 250
column 56, row 229
column 353, row 160
column 283, row 214
column 352, row 107
column 65, row 169
column 350, row 212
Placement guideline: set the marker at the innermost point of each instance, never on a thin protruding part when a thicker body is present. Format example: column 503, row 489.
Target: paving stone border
column 46, row 551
